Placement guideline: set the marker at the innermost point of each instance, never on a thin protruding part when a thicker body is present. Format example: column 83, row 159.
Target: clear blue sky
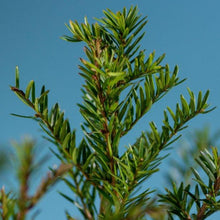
column 187, row 31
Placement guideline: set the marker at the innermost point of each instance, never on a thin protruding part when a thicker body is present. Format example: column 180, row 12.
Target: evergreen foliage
column 121, row 83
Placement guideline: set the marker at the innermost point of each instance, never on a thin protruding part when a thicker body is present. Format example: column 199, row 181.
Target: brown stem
column 27, row 203
column 51, row 178
column 97, row 53
column 25, row 172
column 202, row 210
column 217, row 185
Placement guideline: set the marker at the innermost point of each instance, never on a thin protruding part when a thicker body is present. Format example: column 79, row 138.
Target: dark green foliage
column 205, row 196
column 115, row 64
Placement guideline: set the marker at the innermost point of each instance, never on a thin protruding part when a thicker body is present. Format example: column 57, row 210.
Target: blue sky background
column 187, row 31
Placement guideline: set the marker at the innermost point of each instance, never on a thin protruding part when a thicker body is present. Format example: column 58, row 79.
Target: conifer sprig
column 121, row 83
